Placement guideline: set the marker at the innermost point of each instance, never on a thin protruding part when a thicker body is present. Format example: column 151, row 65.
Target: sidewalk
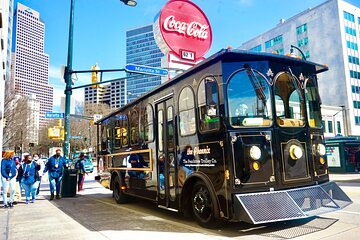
column 44, row 220
column 340, row 177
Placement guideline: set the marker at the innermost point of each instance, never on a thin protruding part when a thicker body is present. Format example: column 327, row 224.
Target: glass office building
column 141, row 49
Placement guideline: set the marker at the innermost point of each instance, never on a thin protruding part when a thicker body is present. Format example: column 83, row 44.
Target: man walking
column 55, row 165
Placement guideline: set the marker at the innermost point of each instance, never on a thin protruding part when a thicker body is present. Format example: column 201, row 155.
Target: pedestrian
column 27, row 171
column 8, row 177
column 38, row 175
column 55, row 165
column 80, row 166
column 18, row 188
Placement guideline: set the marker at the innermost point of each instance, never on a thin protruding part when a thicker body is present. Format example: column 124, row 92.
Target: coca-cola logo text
column 192, row 29
column 183, row 29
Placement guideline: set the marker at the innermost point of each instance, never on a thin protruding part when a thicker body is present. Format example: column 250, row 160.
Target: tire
column 203, row 206
column 118, row 194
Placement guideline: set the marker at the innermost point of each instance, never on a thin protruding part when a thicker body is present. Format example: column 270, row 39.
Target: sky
column 100, row 29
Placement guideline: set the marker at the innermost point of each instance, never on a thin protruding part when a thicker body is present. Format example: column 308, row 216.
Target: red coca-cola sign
column 184, row 30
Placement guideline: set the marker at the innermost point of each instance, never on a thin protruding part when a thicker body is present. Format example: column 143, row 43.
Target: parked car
column 89, row 166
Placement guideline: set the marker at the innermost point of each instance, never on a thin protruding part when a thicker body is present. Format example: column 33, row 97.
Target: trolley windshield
column 249, row 99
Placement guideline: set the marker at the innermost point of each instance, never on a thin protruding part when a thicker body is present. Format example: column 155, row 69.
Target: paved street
column 93, row 214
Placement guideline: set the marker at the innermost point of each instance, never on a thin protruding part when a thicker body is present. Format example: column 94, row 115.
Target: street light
column 68, row 72
column 130, row 3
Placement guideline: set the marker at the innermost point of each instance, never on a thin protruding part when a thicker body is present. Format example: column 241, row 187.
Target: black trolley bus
column 237, row 137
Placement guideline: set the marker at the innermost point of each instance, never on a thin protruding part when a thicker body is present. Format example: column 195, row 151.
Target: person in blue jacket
column 55, row 165
column 27, row 173
column 8, row 177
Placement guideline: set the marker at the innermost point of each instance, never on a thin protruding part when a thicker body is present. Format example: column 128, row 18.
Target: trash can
column 69, row 182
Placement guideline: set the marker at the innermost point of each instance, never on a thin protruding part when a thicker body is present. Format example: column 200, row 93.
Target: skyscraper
column 6, row 13
column 142, row 49
column 30, row 65
column 327, row 34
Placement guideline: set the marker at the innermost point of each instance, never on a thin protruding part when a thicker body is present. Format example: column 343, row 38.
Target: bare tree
column 16, row 111
column 91, row 109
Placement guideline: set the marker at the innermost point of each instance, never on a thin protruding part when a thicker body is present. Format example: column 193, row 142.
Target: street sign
column 146, row 70
column 54, row 115
column 97, row 117
column 76, row 137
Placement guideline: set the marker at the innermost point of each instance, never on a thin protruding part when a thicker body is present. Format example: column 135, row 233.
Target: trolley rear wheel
column 119, row 195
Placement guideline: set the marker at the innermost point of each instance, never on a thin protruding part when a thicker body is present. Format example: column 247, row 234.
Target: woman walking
column 8, row 177
column 80, row 166
column 27, row 172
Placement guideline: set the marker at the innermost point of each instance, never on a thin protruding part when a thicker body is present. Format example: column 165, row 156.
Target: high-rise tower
column 30, row 65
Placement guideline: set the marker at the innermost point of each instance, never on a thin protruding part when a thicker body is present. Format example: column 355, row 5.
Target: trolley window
column 134, row 127
column 208, row 105
column 187, row 112
column 313, row 104
column 147, row 127
column 289, row 99
column 122, row 130
column 249, row 99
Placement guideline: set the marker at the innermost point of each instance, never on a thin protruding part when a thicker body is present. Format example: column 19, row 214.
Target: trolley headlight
column 255, row 152
column 321, row 149
column 295, row 152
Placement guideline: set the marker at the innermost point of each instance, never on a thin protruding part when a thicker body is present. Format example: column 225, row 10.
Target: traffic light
column 95, row 75
column 4, row 125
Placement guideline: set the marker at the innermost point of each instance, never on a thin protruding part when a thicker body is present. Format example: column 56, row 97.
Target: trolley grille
column 292, row 204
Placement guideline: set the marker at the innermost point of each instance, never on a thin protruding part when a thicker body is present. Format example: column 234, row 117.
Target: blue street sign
column 76, row 137
column 54, row 115
column 146, row 70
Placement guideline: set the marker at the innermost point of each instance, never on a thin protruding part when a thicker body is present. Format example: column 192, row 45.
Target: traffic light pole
column 68, row 82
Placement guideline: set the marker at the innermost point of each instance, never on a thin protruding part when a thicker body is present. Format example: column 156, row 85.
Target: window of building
column 354, row 60
column 187, row 112
column 274, row 41
column 338, row 125
column 357, row 120
column 256, row 49
column 208, row 104
column 350, row 31
column 301, row 29
column 323, row 125
column 349, row 16
column 356, row 104
column 352, row 45
column 355, row 89
column 330, row 127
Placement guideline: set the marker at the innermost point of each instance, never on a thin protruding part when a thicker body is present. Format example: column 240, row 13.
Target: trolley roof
column 226, row 55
